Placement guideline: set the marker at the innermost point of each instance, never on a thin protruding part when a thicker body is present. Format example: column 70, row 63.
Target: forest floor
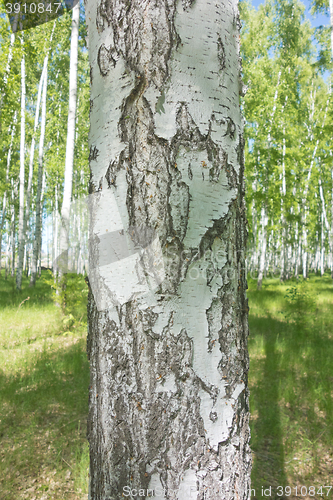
column 44, row 379
column 291, row 385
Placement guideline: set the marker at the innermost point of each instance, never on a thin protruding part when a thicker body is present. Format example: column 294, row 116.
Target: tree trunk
column 331, row 229
column 21, row 238
column 5, row 76
column 283, row 273
column 67, row 196
column 22, row 242
column 262, row 246
column 324, row 223
column 167, row 339
column 4, row 201
column 13, row 226
column 39, row 202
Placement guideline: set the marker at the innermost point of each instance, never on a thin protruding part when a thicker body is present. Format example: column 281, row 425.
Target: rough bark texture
column 168, row 397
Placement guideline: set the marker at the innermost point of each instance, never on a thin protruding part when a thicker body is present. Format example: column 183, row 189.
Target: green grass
column 44, row 378
column 291, row 382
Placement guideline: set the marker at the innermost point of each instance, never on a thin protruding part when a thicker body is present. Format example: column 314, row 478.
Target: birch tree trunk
column 4, row 200
column 168, row 398
column 67, row 196
column 13, row 225
column 262, row 246
column 21, row 238
column 39, row 204
column 331, row 231
column 5, row 77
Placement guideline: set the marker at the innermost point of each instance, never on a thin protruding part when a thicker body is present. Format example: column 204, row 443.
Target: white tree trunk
column 21, row 238
column 324, row 225
column 39, row 204
column 5, row 77
column 168, row 397
column 283, row 274
column 67, row 195
column 331, row 229
column 4, row 200
column 13, row 226
column 331, row 23
column 262, row 247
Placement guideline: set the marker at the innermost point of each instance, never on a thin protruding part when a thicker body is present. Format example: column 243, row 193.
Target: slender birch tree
column 168, row 395
column 21, row 238
column 5, row 195
column 67, row 195
column 39, row 198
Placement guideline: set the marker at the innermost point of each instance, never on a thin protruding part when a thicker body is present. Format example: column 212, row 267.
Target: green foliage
column 288, row 121
column 320, row 6
column 301, row 305
column 36, row 43
column 70, row 293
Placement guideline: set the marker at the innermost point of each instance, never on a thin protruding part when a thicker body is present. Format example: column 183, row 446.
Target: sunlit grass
column 44, row 379
column 291, row 382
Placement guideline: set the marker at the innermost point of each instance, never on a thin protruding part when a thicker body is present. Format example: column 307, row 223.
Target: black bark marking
column 106, row 58
column 187, row 4
column 93, row 153
column 221, row 53
column 190, row 173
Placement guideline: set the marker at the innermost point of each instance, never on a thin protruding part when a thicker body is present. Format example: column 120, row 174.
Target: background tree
column 287, row 109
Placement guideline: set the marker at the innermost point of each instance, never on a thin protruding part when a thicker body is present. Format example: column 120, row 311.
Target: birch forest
column 46, row 103
column 288, row 125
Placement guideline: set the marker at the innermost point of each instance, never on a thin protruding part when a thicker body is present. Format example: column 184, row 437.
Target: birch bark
column 264, row 209
column 5, row 77
column 305, row 207
column 13, row 225
column 67, row 196
column 4, row 200
column 39, row 205
column 262, row 246
column 168, row 397
column 22, row 176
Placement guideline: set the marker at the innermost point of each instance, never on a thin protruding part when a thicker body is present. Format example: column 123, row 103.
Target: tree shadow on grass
column 291, row 399
column 266, row 426
column 56, row 377
column 43, row 416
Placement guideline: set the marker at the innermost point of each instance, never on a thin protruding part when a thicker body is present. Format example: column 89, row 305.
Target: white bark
column 67, row 195
column 283, row 274
column 32, row 151
column 304, row 199
column 331, row 23
column 4, row 200
column 262, row 247
column 331, row 229
column 22, row 175
column 39, row 204
column 7, row 70
column 13, row 225
column 168, row 395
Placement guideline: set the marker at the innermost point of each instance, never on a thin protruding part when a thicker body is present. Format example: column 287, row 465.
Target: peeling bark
column 168, row 395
